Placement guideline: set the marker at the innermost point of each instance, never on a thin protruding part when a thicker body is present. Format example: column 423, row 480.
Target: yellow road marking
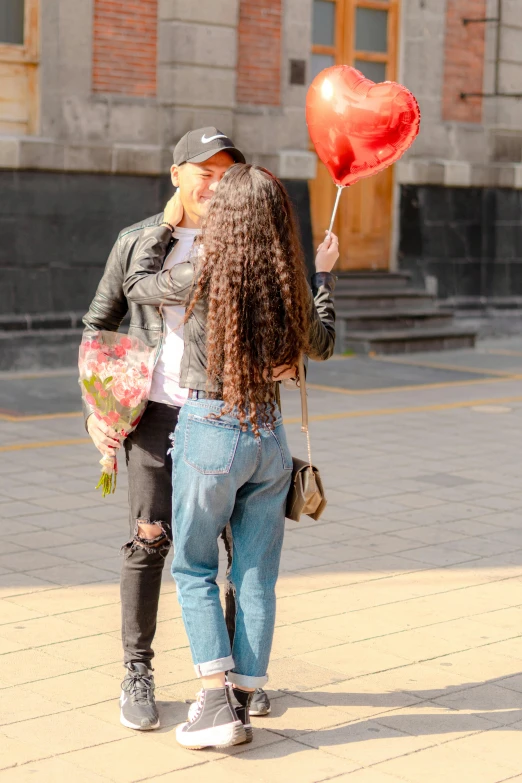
column 417, row 387
column 501, row 351
column 441, row 366
column 316, row 386
column 297, row 419
column 45, row 444
column 39, row 416
column 411, row 409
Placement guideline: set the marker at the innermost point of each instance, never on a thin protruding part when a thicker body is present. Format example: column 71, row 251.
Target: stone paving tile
column 396, row 648
column 426, row 766
column 14, row 752
column 287, row 760
column 366, row 742
column 50, row 771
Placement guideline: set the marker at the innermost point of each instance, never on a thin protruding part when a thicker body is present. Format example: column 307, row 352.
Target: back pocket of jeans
column 210, row 445
column 280, row 438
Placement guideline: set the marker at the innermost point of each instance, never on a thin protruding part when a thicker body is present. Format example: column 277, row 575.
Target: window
column 371, row 30
column 362, row 33
column 374, row 71
column 323, row 36
column 12, row 22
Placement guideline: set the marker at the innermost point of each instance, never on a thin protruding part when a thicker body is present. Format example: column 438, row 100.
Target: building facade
column 94, row 94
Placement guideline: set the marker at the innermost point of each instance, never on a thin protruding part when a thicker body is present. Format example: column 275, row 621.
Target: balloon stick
column 339, row 190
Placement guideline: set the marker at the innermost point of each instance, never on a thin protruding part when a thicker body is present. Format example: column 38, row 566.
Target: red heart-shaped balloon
column 358, row 127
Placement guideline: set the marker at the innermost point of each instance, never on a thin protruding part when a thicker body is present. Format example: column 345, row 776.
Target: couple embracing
column 217, row 284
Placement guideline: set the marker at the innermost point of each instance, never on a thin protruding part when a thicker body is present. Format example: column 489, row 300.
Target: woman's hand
column 327, row 253
column 173, row 212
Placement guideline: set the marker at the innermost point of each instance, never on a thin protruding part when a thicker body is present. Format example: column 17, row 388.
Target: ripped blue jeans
column 223, row 474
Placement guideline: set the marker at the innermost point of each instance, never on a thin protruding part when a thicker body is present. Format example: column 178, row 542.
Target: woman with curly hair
column 249, row 315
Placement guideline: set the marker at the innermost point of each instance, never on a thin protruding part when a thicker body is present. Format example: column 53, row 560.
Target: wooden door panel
column 322, row 198
column 365, row 223
column 19, row 77
column 364, row 220
column 14, row 98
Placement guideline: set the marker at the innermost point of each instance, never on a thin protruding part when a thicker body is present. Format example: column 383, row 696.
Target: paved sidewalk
column 398, row 646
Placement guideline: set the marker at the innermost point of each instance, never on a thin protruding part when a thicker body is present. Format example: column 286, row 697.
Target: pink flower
column 144, row 370
column 98, row 386
column 104, row 394
column 111, row 418
column 101, row 358
column 120, row 351
column 89, row 399
column 125, row 342
column 126, row 390
column 95, row 345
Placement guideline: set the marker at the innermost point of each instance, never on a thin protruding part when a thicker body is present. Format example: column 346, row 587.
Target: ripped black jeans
column 149, row 469
column 150, row 502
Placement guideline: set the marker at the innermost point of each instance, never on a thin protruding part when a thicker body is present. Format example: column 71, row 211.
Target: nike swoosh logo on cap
column 204, row 139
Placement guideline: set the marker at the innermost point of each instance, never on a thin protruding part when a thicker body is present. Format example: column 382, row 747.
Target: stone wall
column 58, row 229
column 467, row 239
column 453, row 135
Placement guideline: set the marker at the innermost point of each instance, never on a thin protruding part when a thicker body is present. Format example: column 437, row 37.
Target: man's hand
column 327, row 253
column 173, row 212
column 103, row 436
column 284, row 372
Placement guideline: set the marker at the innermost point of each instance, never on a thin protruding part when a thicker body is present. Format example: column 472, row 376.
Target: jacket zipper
column 162, row 338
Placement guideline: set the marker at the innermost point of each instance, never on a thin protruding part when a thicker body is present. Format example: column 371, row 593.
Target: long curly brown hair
column 252, row 273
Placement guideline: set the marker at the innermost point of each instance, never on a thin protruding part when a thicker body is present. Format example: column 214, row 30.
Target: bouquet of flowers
column 115, row 378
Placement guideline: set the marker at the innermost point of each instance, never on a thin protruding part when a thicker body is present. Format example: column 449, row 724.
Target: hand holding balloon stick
column 357, row 127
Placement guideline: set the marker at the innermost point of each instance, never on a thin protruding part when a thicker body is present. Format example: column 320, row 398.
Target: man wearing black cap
column 201, row 158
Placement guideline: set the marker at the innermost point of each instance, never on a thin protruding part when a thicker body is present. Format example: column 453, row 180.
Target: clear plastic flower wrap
column 115, row 377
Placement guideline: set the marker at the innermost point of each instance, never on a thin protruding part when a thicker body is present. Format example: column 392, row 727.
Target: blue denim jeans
column 222, row 474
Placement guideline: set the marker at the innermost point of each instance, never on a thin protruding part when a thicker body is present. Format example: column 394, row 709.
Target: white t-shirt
column 165, row 378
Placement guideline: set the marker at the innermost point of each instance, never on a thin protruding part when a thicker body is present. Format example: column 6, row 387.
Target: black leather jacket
column 146, row 284
column 110, row 305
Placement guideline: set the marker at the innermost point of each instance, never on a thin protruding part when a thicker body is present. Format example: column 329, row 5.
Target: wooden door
column 18, row 66
column 362, row 33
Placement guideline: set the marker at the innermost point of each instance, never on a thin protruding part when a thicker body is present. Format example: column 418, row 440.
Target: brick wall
column 259, row 52
column 463, row 60
column 125, row 46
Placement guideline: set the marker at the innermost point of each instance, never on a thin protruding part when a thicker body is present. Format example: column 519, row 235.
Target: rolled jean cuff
column 214, row 667
column 243, row 680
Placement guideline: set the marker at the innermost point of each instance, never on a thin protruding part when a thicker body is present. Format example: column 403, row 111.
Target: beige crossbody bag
column 306, row 493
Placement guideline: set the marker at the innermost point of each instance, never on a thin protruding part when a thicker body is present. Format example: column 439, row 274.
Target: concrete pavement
column 398, row 647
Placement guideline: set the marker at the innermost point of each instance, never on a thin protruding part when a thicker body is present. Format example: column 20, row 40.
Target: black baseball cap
column 201, row 144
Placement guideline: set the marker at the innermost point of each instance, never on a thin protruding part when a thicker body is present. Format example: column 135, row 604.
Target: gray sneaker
column 137, row 703
column 212, row 722
column 260, row 703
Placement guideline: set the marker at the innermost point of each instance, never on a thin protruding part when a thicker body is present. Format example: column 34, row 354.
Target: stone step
column 397, row 341
column 363, row 280
column 40, row 321
column 393, row 299
column 40, row 349
column 378, row 319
